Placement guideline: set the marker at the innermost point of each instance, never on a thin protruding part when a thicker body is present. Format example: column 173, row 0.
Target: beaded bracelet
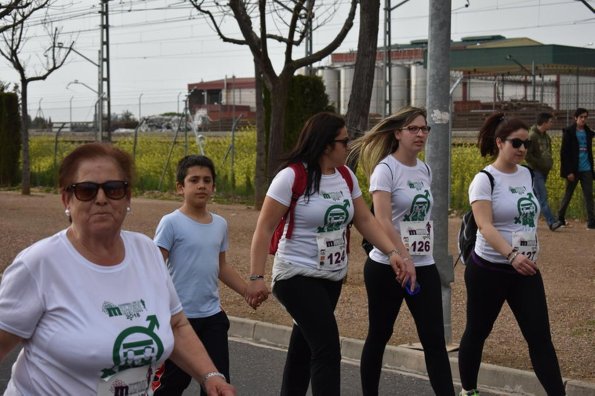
column 213, row 374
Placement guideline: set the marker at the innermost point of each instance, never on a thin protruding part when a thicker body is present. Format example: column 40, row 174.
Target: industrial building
column 517, row 75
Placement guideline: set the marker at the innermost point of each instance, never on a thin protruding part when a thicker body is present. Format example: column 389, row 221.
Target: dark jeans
column 541, row 192
column 212, row 331
column 385, row 297
column 314, row 351
column 487, row 290
column 586, row 179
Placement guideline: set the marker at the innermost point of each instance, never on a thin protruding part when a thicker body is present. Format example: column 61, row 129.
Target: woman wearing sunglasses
column 311, row 262
column 400, row 188
column 93, row 306
column 504, row 263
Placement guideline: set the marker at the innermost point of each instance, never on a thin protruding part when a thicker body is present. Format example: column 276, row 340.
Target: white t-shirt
column 514, row 206
column 86, row 324
column 411, row 198
column 330, row 209
column 193, row 261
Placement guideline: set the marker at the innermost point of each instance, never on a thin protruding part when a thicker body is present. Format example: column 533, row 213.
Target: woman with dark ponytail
column 504, row 262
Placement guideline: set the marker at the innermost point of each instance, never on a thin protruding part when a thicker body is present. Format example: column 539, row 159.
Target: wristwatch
column 256, row 277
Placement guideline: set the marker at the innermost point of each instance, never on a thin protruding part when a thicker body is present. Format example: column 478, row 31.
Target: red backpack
column 297, row 190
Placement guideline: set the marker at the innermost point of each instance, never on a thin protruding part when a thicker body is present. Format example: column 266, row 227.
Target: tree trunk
column 26, row 178
column 279, row 96
column 363, row 76
column 260, row 177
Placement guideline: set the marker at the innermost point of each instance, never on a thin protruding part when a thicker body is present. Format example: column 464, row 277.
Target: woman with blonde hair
column 400, row 188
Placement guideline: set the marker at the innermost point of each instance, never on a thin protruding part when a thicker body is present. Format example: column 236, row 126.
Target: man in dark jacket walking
column 576, row 158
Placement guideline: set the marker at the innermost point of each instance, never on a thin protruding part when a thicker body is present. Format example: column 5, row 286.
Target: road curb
column 495, row 378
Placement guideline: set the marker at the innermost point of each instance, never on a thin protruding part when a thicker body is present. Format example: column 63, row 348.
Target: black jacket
column 569, row 150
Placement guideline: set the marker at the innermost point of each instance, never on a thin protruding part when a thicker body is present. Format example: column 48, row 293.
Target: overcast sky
column 159, row 46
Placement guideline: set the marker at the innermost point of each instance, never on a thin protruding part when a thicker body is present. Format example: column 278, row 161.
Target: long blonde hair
column 380, row 141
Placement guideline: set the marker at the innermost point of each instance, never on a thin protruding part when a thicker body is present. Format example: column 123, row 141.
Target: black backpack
column 468, row 230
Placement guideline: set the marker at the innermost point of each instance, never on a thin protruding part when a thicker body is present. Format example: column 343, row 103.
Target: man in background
column 576, row 164
column 539, row 158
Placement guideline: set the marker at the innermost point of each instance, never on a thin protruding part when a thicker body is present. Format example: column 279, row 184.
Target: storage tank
column 345, row 88
column 331, row 80
column 399, row 87
column 377, row 98
column 419, row 85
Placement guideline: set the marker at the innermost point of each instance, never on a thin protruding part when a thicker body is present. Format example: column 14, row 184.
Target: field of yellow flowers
column 156, row 156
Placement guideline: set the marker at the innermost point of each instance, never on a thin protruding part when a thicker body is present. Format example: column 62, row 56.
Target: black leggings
column 314, row 350
column 487, row 289
column 385, row 297
column 212, row 331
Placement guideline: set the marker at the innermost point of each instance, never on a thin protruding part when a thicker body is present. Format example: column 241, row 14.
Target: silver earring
column 128, row 210
column 67, row 212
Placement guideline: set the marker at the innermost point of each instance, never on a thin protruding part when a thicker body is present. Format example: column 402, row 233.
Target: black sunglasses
column 86, row 191
column 516, row 143
column 344, row 141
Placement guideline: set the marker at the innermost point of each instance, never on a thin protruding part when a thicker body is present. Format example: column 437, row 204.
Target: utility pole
column 387, row 108
column 438, row 145
column 104, row 70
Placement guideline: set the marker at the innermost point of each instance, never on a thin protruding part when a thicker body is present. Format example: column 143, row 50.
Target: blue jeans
column 541, row 193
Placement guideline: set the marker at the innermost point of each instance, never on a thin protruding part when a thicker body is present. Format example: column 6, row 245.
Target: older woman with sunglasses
column 93, row 306
column 504, row 263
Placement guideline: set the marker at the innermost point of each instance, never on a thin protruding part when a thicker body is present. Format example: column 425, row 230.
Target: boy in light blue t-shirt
column 193, row 242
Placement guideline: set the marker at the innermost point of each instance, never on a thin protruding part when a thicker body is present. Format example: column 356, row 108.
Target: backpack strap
column 344, row 171
column 297, row 190
column 490, row 177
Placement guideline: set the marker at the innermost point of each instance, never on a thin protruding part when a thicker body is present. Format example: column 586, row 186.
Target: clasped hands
column 256, row 293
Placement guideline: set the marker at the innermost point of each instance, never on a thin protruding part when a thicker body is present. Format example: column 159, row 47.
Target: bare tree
column 14, row 39
column 358, row 108
column 7, row 10
column 291, row 22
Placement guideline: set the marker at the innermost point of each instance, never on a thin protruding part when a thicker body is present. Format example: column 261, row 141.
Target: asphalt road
column 257, row 370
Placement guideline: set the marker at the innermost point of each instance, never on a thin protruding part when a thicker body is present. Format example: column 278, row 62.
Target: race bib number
column 418, row 237
column 526, row 243
column 332, row 250
column 130, row 382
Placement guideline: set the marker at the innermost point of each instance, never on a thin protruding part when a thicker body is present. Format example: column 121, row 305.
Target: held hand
column 256, row 293
column 570, row 177
column 404, row 269
column 523, row 265
column 216, row 386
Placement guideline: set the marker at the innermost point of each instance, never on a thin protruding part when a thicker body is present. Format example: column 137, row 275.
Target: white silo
column 399, row 87
column 331, row 79
column 419, row 85
column 377, row 98
column 345, row 88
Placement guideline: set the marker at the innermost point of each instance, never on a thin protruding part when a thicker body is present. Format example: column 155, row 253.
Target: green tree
column 10, row 138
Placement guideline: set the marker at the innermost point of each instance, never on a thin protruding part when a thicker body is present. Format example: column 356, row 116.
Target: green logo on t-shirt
column 135, row 346
column 420, row 206
column 335, row 216
column 527, row 209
